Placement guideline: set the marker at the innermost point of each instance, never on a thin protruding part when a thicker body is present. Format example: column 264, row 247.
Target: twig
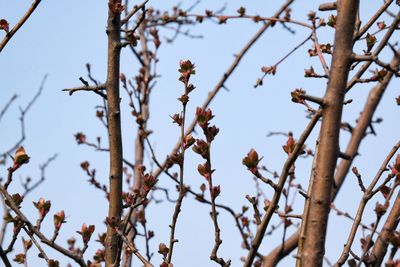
column 21, row 22
column 201, row 199
column 223, row 79
column 22, row 119
column 42, row 176
column 371, row 21
column 135, row 9
column 4, row 110
column 282, row 179
column 42, row 253
column 77, row 258
column 357, row 135
column 376, row 60
column 376, row 52
column 94, row 88
column 4, row 258
column 260, row 80
column 134, row 250
column 319, row 52
column 366, row 197
column 182, row 187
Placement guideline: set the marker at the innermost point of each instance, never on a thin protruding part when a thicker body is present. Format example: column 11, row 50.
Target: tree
column 346, row 39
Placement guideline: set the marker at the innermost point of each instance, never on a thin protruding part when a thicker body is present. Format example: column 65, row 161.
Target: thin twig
column 282, row 179
column 134, row 250
column 223, row 79
column 19, row 24
column 4, row 110
column 366, row 197
column 77, row 258
column 135, row 9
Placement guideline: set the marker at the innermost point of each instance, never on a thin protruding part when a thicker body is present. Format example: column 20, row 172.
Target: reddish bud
column 20, row 258
column 245, row 221
column 116, row 7
column 203, row 117
column 371, row 41
column 53, row 263
column 163, row 249
column 186, row 68
column 269, row 70
column 148, row 183
column 176, row 118
column 202, row 148
column 43, row 207
column 17, row 199
column 222, row 19
column 298, row 94
column 85, row 165
column 86, row 232
column 80, row 138
column 20, row 158
column 59, row 219
column 251, row 160
column 216, row 190
column 122, row 77
column 203, row 188
column 241, row 11
column 189, row 140
column 4, row 25
column 332, row 21
column 27, row 244
column 381, row 25
column 380, row 209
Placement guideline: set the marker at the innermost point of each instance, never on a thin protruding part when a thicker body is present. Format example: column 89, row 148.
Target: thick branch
column 343, row 168
column 113, row 240
column 328, row 150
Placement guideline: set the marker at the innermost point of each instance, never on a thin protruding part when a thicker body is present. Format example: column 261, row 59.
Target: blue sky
column 62, row 36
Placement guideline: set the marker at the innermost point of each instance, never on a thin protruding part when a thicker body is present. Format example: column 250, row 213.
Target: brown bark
column 343, row 168
column 328, row 150
column 113, row 241
column 380, row 248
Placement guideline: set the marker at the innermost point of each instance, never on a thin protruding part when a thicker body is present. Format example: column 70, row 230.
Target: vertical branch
column 343, row 168
column 320, row 198
column 143, row 99
column 182, row 188
column 113, row 241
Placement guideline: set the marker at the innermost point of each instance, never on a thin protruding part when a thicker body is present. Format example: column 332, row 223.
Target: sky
column 62, row 36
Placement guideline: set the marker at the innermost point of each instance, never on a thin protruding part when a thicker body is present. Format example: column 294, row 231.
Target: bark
column 113, row 241
column 343, row 168
column 328, row 151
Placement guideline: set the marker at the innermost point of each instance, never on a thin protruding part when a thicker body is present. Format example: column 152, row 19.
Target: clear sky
column 62, row 36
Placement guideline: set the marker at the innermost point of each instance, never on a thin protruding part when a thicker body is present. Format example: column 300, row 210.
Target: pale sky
column 62, row 36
